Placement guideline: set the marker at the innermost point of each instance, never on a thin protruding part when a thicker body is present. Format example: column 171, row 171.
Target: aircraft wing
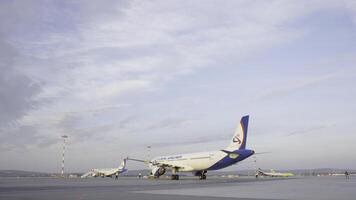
column 179, row 167
column 88, row 174
column 163, row 164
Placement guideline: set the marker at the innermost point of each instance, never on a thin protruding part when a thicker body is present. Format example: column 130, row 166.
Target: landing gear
column 202, row 175
column 175, row 177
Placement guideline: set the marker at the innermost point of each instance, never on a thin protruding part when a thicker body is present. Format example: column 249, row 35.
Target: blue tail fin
column 123, row 164
column 240, row 136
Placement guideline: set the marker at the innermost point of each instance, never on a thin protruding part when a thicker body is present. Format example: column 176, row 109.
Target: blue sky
column 117, row 76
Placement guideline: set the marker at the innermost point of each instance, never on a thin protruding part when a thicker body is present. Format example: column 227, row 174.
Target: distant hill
column 300, row 172
column 20, row 173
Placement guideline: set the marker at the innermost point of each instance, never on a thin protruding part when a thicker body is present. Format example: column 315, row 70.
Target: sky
column 118, row 76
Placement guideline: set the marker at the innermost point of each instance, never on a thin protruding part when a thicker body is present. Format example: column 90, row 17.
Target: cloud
column 197, row 140
column 68, row 67
column 134, row 48
column 17, row 91
column 168, row 123
column 309, row 130
column 290, row 87
column 23, row 137
column 90, row 54
column 351, row 5
column 89, row 127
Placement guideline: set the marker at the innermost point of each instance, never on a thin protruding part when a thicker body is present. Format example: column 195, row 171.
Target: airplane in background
column 272, row 173
column 200, row 163
column 107, row 172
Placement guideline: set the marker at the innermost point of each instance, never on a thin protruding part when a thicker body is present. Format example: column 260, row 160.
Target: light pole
column 64, row 149
column 148, row 153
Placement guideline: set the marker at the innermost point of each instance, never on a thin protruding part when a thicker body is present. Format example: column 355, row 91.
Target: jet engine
column 199, row 173
column 158, row 171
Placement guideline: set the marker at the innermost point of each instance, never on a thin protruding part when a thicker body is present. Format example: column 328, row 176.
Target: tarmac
column 186, row 188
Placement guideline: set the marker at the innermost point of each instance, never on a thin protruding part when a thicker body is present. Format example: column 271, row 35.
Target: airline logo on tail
column 236, row 139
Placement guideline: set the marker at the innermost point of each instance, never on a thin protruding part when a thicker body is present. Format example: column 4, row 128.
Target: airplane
column 107, row 172
column 272, row 173
column 200, row 163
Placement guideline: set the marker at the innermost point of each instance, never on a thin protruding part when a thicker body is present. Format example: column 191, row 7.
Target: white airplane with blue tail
column 107, row 172
column 200, row 163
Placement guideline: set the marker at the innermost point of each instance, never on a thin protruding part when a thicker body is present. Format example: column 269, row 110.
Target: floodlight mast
column 64, row 148
column 148, row 153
